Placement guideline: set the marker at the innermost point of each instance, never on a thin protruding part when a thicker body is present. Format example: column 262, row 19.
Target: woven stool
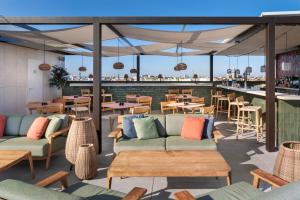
column 86, row 163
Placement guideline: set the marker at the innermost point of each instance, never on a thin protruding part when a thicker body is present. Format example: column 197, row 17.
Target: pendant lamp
column 133, row 70
column 181, row 65
column 118, row 65
column 44, row 66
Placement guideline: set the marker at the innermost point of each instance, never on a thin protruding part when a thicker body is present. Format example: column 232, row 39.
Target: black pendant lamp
column 248, row 69
column 133, row 70
column 44, row 66
column 82, row 68
column 229, row 69
column 181, row 65
column 237, row 71
column 118, row 65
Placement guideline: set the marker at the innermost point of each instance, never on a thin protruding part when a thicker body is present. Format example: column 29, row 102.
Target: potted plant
column 58, row 77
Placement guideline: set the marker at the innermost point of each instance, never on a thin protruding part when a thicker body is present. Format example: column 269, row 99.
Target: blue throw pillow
column 128, row 126
column 208, row 128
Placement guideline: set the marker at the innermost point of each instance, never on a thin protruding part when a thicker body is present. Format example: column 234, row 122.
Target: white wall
column 14, row 77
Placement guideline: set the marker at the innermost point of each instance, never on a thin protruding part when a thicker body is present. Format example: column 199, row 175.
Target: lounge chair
column 16, row 190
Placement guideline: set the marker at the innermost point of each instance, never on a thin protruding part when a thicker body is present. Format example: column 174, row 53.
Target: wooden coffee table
column 169, row 164
column 9, row 158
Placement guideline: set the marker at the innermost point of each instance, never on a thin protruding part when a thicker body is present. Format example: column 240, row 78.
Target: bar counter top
column 278, row 95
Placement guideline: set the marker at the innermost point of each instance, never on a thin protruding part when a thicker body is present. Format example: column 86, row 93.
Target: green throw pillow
column 145, row 128
column 53, row 126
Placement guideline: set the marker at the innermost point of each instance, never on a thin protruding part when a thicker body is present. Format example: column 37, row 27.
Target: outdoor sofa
column 16, row 190
column 169, row 129
column 15, row 133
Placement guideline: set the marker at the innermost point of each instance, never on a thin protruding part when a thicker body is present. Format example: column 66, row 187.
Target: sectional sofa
column 169, row 128
column 15, row 133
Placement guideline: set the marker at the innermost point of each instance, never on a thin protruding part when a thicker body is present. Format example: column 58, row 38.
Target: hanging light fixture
column 248, row 69
column 229, row 69
column 133, row 70
column 181, row 65
column 237, row 71
column 44, row 66
column 286, row 66
column 82, row 68
column 176, row 68
column 195, row 77
column 118, row 65
column 160, row 76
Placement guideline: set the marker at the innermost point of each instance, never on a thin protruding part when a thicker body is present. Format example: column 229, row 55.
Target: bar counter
column 287, row 110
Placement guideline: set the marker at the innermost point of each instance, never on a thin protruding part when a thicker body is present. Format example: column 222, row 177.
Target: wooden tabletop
column 118, row 106
column 37, row 105
column 188, row 106
column 73, row 97
column 181, row 96
column 169, row 164
column 134, row 97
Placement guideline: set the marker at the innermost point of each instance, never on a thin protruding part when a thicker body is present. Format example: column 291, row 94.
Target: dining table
column 72, row 98
column 120, row 106
column 134, row 98
column 180, row 97
column 32, row 106
column 186, row 106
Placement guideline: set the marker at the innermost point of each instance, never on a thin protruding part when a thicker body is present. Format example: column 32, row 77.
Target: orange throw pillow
column 38, row 128
column 2, row 124
column 193, row 128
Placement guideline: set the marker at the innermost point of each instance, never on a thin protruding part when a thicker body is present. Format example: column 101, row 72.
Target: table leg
column 229, row 181
column 31, row 165
column 109, row 181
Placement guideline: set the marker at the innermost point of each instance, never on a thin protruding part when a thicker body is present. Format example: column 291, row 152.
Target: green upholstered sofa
column 169, row 128
column 16, row 190
column 15, row 133
column 245, row 191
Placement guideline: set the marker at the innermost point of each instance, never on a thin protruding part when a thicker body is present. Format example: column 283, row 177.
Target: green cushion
column 53, row 126
column 13, row 125
column 145, row 128
column 93, row 192
column 26, row 122
column 160, row 121
column 134, row 144
column 58, row 143
column 178, row 143
column 4, row 138
column 290, row 191
column 237, row 191
column 16, row 190
column 174, row 122
column 64, row 117
column 37, row 147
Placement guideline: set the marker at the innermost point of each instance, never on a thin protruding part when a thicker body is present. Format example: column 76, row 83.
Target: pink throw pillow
column 193, row 128
column 2, row 124
column 38, row 128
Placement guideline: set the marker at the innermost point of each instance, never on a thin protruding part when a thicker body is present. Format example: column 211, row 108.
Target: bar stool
column 233, row 104
column 222, row 102
column 215, row 94
column 244, row 118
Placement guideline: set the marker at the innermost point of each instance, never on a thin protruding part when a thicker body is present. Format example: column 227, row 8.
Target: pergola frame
column 268, row 21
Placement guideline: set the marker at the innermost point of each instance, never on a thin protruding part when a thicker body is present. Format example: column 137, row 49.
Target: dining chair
column 52, row 109
column 60, row 100
column 82, row 106
column 111, row 117
column 140, row 110
column 164, row 108
column 173, row 91
column 198, row 100
column 145, row 101
column 187, row 91
column 85, row 92
column 208, row 110
column 131, row 98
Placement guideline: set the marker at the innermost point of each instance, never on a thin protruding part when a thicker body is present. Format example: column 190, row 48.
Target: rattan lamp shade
column 86, row 163
column 287, row 165
column 82, row 131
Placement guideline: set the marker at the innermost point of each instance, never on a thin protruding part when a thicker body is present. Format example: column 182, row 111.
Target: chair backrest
column 145, row 99
column 171, row 97
column 198, row 100
column 140, row 110
column 231, row 96
column 129, row 98
column 107, row 102
column 163, row 105
column 187, row 91
column 82, row 102
column 209, row 110
column 85, row 92
column 173, row 91
column 239, row 101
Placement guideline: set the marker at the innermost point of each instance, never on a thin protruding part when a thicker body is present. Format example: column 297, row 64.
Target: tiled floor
column 242, row 155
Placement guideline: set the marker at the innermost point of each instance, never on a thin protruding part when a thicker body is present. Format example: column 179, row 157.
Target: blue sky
column 152, row 64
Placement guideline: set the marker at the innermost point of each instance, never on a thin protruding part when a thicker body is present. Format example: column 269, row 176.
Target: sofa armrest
column 60, row 176
column 184, row 195
column 135, row 194
column 116, row 134
column 217, row 135
column 63, row 131
column 259, row 174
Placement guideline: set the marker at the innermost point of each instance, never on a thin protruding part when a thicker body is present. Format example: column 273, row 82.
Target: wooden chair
column 164, row 108
column 60, row 100
column 187, row 91
column 110, row 117
column 140, row 110
column 171, row 97
column 82, row 106
column 131, row 99
column 209, row 110
column 85, row 92
column 52, row 109
column 145, row 101
column 215, row 94
column 173, row 91
column 198, row 100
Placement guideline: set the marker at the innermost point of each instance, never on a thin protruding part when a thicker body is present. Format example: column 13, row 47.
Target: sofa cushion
column 2, row 124
column 37, row 147
column 93, row 192
column 290, row 191
column 208, row 128
column 160, row 121
column 63, row 117
column 237, row 191
column 134, row 144
column 192, row 128
column 53, row 126
column 16, row 190
column 13, row 123
column 38, row 128
column 26, row 122
column 174, row 122
column 145, row 128
column 4, row 138
column 179, row 143
column 128, row 126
